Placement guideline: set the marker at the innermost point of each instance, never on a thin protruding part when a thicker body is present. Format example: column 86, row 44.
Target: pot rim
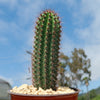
column 46, row 95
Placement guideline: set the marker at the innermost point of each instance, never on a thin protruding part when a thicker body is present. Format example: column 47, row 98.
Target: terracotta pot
column 71, row 96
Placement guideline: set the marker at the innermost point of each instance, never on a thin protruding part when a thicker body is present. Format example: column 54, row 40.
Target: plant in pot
column 45, row 62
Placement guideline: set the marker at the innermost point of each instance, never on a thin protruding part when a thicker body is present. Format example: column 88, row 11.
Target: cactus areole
column 45, row 56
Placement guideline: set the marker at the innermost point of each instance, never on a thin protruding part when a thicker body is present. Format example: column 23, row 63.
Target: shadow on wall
column 4, row 87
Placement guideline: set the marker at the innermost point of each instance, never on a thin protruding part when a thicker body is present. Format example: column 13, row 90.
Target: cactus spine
column 46, row 50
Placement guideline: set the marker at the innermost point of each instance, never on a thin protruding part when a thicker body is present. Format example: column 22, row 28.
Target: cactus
column 45, row 59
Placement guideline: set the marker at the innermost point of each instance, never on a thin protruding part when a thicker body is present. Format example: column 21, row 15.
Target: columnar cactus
column 45, row 60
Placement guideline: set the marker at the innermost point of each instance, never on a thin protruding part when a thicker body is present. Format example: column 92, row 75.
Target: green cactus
column 45, row 60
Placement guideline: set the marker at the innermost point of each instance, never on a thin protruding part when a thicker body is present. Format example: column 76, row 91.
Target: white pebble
column 30, row 89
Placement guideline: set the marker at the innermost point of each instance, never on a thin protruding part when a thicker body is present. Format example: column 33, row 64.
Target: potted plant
column 45, row 62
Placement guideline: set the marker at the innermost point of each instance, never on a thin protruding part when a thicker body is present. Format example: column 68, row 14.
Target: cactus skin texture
column 45, row 60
